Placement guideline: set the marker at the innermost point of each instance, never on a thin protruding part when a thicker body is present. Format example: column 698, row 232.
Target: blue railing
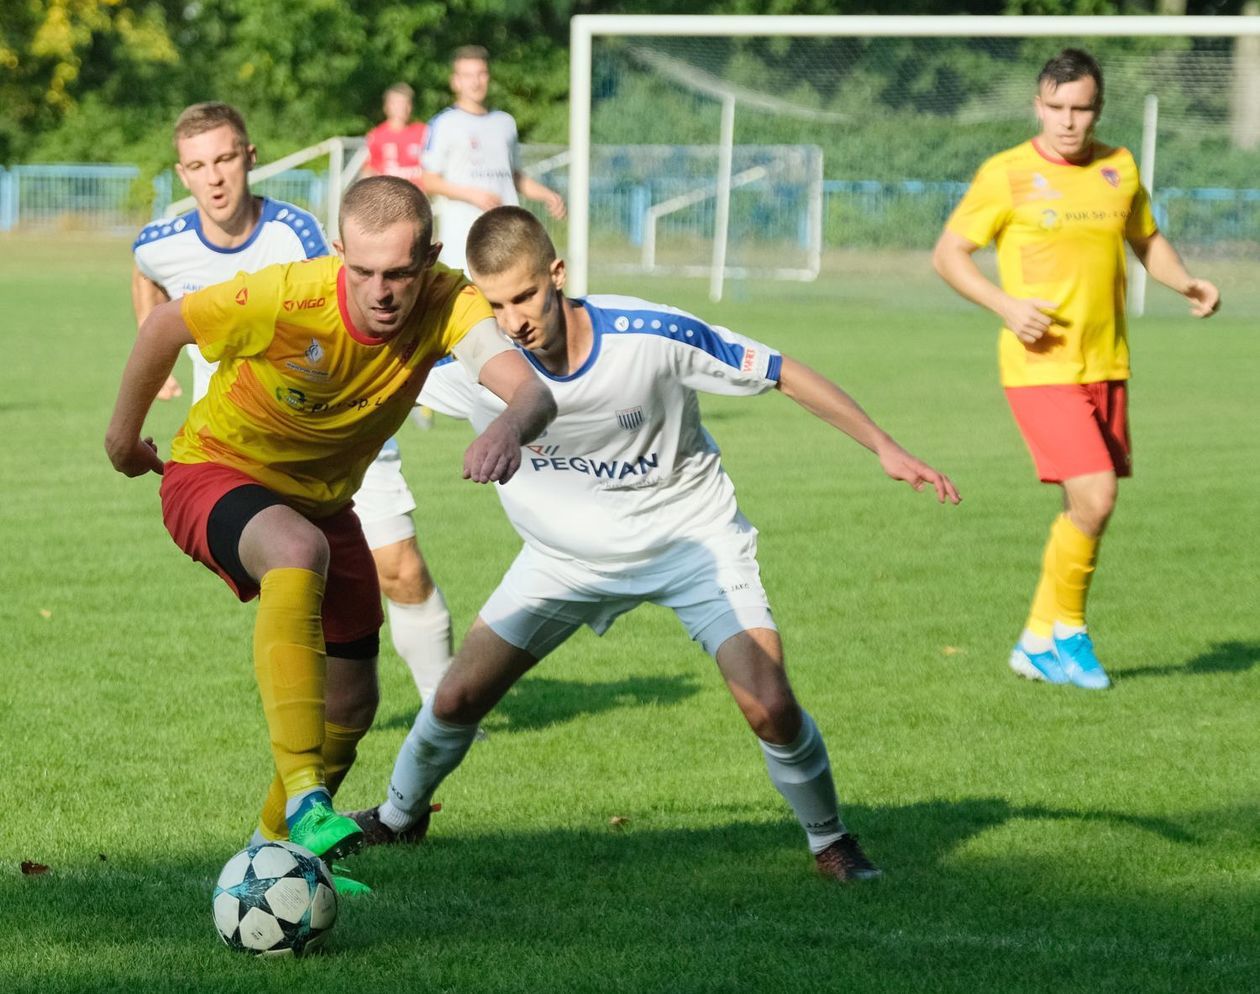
column 864, row 213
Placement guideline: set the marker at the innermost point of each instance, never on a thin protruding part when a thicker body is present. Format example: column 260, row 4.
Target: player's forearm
column 530, row 188
column 1163, row 263
column 827, row 402
column 436, row 186
column 956, row 267
column 530, row 409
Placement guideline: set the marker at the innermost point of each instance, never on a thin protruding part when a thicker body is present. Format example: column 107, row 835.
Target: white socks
column 1032, row 644
column 801, row 772
column 422, row 635
column 433, row 748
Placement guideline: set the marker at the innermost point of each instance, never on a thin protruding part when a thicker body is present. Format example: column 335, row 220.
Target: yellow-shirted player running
column 321, row 362
column 1061, row 208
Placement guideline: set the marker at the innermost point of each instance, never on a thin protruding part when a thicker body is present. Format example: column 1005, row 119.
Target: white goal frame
column 585, row 27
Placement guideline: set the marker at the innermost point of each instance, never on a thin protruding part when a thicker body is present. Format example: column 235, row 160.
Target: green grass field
column 1034, row 838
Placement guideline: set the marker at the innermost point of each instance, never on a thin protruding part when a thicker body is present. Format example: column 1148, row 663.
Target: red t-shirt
column 394, row 152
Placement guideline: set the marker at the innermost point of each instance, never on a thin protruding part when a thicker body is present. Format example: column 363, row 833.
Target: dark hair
column 200, row 118
column 504, row 236
column 378, row 202
column 1070, row 65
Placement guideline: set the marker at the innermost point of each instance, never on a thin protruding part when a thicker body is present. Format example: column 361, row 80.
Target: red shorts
column 1073, row 429
column 352, row 595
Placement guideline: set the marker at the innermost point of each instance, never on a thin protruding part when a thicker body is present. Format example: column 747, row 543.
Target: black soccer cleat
column 844, row 860
column 377, row 833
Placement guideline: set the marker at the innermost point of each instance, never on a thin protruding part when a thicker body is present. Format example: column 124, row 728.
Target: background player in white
column 472, row 159
column 230, row 231
column 623, row 500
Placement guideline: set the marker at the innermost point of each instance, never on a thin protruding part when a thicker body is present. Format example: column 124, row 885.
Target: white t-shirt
column 174, row 254
column 466, row 149
column 626, row 470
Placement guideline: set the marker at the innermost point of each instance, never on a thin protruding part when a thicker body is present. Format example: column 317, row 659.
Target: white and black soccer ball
column 276, row 899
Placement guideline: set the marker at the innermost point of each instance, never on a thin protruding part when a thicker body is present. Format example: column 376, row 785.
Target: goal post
column 592, row 34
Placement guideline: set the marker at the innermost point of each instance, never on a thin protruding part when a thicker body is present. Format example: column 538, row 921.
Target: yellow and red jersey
column 1060, row 231
column 303, row 400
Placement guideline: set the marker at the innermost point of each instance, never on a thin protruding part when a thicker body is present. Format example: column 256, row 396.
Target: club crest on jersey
column 630, row 418
column 1111, row 176
column 314, row 353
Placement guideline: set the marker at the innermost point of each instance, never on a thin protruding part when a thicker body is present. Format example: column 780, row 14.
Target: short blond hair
column 200, row 118
column 403, row 89
column 471, row 52
column 504, row 236
column 378, row 202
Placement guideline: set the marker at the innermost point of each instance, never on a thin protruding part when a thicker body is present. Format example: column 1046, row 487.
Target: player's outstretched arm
column 436, row 185
column 1030, row 319
column 1161, row 260
column 495, row 454
column 146, row 295
column 829, row 403
column 158, row 342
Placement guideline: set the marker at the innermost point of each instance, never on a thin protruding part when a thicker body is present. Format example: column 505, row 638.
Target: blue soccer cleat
column 1042, row 666
column 1080, row 665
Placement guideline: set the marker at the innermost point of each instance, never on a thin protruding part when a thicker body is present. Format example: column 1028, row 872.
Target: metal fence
column 856, row 213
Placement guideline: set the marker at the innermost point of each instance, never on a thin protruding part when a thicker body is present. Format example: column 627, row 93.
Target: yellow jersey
column 302, row 400
column 1060, row 231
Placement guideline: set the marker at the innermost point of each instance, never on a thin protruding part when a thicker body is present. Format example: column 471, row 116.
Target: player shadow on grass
column 538, row 701
column 1220, row 657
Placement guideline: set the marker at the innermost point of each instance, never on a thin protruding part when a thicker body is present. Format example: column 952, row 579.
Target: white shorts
column 713, row 585
column 384, row 503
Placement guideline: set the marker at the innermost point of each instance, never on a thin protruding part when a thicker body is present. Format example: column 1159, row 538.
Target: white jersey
column 626, row 471
column 174, row 254
column 478, row 150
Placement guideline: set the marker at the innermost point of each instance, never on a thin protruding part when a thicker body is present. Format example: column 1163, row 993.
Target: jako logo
column 303, row 305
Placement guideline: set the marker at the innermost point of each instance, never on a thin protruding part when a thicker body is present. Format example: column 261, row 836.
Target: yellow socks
column 340, row 747
column 289, row 664
column 1044, row 606
column 1075, row 555
column 1067, row 566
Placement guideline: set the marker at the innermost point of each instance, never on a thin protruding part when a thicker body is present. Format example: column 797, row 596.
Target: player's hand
column 1205, row 299
column 494, row 456
column 170, row 389
column 555, row 205
column 901, row 465
column 484, row 199
column 1029, row 318
column 134, row 459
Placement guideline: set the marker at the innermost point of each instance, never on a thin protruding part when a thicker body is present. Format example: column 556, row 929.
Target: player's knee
column 458, row 702
column 299, row 548
column 404, row 577
column 1091, row 510
column 773, row 715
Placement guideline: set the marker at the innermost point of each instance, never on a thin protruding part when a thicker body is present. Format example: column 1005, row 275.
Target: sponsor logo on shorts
column 750, row 361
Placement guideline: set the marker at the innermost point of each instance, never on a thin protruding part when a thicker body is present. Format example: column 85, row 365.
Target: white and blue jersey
column 479, row 150
column 626, row 471
column 175, row 254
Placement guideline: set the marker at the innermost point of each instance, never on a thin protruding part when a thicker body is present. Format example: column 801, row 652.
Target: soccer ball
column 276, row 899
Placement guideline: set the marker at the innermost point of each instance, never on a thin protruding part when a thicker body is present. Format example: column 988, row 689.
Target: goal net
column 863, row 132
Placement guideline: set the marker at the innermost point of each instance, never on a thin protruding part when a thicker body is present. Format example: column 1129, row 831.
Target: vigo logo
column 303, row 305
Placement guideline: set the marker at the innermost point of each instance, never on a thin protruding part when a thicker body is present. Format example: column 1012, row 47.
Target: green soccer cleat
column 347, row 886
column 324, row 832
